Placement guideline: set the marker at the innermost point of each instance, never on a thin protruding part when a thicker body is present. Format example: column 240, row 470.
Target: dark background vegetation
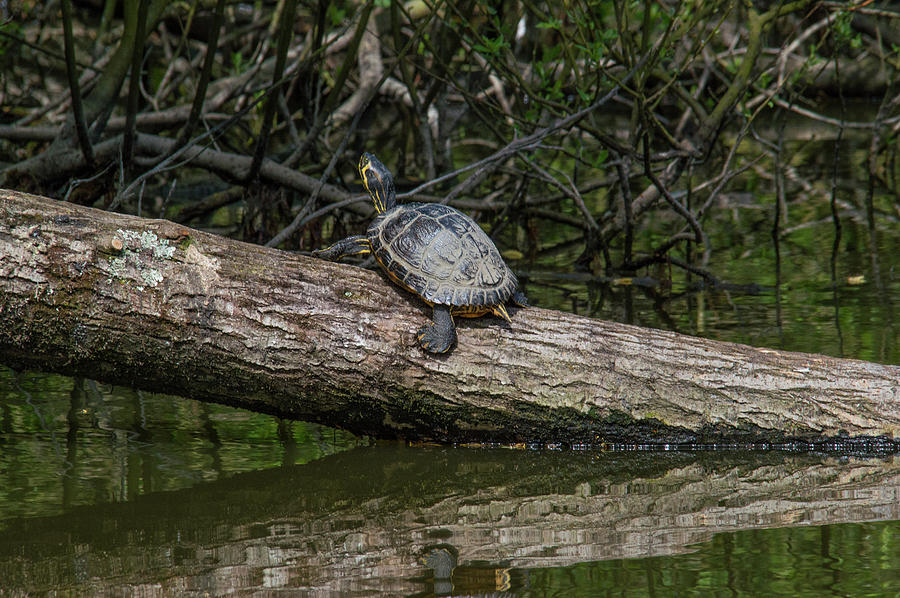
column 621, row 140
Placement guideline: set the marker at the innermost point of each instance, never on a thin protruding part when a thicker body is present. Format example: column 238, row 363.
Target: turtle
column 434, row 251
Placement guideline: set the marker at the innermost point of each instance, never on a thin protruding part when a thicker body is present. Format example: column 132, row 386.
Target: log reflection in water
column 372, row 518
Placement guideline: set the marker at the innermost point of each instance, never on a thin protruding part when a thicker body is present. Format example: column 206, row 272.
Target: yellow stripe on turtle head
column 379, row 182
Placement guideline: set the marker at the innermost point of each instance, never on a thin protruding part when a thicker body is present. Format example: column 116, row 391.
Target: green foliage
column 600, row 158
column 335, row 14
column 844, row 33
column 552, row 23
column 13, row 30
column 492, row 46
column 237, row 63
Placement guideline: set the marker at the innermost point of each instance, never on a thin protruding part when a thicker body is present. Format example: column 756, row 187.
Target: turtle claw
column 440, row 335
column 434, row 340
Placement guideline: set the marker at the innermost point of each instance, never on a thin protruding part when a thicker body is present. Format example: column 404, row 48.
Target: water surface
column 111, row 492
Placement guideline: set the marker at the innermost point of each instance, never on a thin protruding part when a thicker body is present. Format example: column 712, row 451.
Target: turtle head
column 379, row 182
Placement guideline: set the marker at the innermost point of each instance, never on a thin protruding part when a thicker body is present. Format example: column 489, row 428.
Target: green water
column 829, row 560
column 107, row 491
column 853, row 315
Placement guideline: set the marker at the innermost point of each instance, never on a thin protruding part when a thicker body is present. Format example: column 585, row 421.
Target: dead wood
column 155, row 305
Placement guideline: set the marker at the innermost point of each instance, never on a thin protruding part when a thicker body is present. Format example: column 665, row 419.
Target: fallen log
column 158, row 306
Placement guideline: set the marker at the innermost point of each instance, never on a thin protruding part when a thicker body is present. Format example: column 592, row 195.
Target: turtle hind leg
column 355, row 245
column 500, row 311
column 440, row 335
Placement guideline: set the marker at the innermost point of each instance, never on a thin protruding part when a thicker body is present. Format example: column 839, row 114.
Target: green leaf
column 237, row 62
column 552, row 53
column 335, row 15
column 550, row 24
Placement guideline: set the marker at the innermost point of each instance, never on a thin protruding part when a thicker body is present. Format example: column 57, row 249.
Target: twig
column 349, row 59
column 321, row 116
column 205, row 74
column 73, row 184
column 530, row 141
column 300, row 218
column 134, row 84
column 285, row 31
column 571, row 190
column 664, row 191
column 44, row 50
column 371, row 75
column 77, row 107
column 622, row 167
column 174, row 154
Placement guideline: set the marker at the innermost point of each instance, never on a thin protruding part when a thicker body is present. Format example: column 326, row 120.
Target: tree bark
column 155, row 305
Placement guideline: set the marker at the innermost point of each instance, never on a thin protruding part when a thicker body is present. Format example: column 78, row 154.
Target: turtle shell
column 440, row 254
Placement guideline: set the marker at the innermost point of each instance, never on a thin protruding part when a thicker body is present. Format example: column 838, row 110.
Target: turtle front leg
column 355, row 245
column 439, row 336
